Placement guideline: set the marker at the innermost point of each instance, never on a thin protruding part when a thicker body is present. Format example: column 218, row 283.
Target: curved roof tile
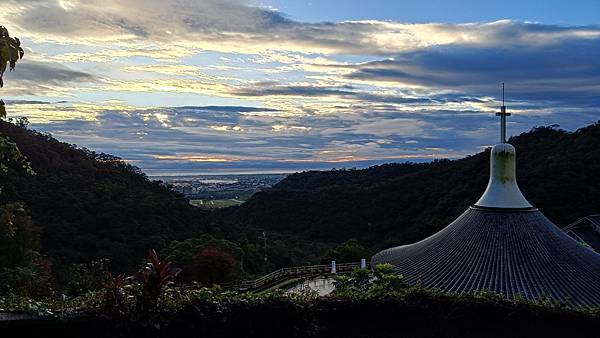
column 508, row 251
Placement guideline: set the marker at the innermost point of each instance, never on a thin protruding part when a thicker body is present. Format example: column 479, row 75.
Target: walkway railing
column 281, row 275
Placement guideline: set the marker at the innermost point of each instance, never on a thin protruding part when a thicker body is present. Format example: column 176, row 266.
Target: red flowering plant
column 153, row 280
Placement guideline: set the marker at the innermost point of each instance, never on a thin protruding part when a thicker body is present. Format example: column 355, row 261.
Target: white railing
column 283, row 274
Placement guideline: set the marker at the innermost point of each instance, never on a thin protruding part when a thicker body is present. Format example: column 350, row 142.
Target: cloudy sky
column 213, row 86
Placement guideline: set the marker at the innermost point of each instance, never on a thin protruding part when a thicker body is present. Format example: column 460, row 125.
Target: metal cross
column 503, row 114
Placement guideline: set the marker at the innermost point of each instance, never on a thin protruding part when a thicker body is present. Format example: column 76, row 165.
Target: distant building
column 586, row 231
column 505, row 245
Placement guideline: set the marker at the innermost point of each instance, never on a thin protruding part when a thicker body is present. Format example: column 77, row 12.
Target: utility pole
column 264, row 238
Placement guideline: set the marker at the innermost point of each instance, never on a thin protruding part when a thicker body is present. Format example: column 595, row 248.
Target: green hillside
column 558, row 171
column 91, row 205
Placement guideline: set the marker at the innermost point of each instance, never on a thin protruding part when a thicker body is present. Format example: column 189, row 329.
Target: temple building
column 502, row 244
column 586, row 231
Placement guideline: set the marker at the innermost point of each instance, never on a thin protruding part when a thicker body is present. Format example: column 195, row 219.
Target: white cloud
column 230, row 25
column 330, row 91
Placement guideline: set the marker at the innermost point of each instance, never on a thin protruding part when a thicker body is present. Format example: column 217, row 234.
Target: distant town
column 220, row 191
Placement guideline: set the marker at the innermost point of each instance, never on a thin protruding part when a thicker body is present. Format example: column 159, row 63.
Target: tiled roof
column 503, row 250
column 587, row 230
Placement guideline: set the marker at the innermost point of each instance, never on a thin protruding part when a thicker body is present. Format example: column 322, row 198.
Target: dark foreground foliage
column 415, row 313
column 392, row 204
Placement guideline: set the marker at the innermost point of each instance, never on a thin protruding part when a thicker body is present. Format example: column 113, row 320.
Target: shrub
column 184, row 253
column 81, row 278
column 364, row 283
column 386, row 281
column 213, row 265
column 32, row 280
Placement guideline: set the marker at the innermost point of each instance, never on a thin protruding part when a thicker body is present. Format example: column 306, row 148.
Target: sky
column 235, row 86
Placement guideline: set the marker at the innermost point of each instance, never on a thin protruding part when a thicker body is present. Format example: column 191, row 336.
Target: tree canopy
column 10, row 52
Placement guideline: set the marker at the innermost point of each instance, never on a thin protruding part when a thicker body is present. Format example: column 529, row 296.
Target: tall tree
column 10, row 53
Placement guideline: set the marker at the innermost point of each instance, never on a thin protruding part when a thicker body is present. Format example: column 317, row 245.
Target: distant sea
column 155, row 173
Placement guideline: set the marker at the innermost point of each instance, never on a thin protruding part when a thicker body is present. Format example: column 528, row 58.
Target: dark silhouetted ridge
column 394, row 204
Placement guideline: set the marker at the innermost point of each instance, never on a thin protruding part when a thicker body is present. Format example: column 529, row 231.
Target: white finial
column 502, row 190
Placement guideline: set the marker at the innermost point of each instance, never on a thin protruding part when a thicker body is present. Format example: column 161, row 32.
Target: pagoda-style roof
column 507, row 251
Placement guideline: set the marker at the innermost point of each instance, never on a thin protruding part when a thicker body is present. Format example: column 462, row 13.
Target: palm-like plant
column 10, row 53
column 154, row 279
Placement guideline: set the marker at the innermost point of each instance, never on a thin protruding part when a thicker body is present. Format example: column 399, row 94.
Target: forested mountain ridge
column 91, row 205
column 558, row 171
